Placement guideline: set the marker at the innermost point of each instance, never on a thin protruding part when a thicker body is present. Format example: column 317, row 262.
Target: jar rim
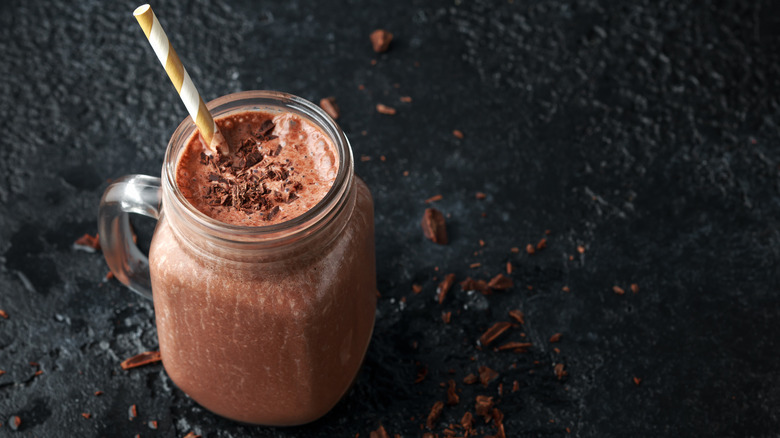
column 321, row 212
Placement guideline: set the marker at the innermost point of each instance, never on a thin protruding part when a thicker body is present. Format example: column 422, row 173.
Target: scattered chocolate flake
column 559, row 371
column 568, row 430
column 380, row 40
column 3, row 314
column 445, row 286
column 88, row 243
column 475, row 265
column 132, row 412
column 86, row 415
column 518, row 316
column 618, row 290
column 494, row 332
column 428, row 434
column 2, row 372
column 152, row 424
column 498, row 417
column 515, row 250
column 517, row 347
column 406, row 99
column 329, row 105
column 434, row 226
column 452, row 396
column 637, row 381
column 109, row 276
column 434, row 198
column 542, row 244
column 515, row 386
column 566, row 289
column 470, row 379
column 421, row 375
column 416, row 288
column 98, row 393
column 555, row 338
column 508, row 267
column 581, row 249
column 487, row 375
column 446, row 317
column 571, row 257
column 373, row 62
column 406, row 173
column 379, row 433
column 557, row 350
column 434, row 415
column 192, row 434
column 38, row 373
column 478, row 285
column 365, row 158
column 500, row 282
column 467, row 421
column 141, row 359
column 500, row 389
column 634, row 288
column 15, row 422
column 484, row 406
column 530, row 249
column 481, row 243
column 458, row 134
column 384, row 109
column 382, row 158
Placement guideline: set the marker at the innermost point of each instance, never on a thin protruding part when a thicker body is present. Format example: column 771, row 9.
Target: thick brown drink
column 262, row 268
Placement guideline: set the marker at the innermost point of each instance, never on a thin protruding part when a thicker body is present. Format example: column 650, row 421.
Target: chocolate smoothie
column 273, row 335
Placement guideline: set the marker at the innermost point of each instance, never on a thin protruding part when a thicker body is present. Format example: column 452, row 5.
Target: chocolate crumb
column 434, row 415
column 467, row 421
column 484, row 406
column 470, row 379
column 380, row 40
column 445, row 286
column 557, row 350
column 452, row 396
column 3, row 314
column 416, row 288
column 581, row 249
column 487, row 375
column 406, row 99
column 192, row 434
column 494, row 332
column 618, row 290
column 480, row 196
column 559, row 371
column 555, row 338
column 421, row 375
column 86, row 415
column 15, row 422
column 132, row 412
column 542, row 244
column 518, row 316
column 634, row 288
column 500, row 282
column 637, row 381
column 475, row 265
column 530, row 249
column 508, row 267
column 515, row 250
column 141, row 359
column 329, row 105
column 516, row 347
column 566, row 289
column 152, row 424
column 515, row 386
column 98, row 393
column 478, row 285
column 384, row 109
column 365, row 158
column 446, row 317
column 434, row 226
column 457, row 133
column 434, row 198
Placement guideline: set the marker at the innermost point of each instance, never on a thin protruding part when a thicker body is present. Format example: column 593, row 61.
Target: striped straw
column 181, row 79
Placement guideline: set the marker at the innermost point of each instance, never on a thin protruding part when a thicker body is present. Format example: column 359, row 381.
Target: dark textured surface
column 646, row 132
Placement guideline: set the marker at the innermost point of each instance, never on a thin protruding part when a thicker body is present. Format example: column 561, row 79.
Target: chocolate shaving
column 434, row 227
column 452, row 395
column 329, row 105
column 458, row 134
column 618, row 290
column 434, row 415
column 634, row 288
column 517, row 347
column 518, row 316
column 530, row 249
column 264, row 129
column 494, row 332
column 487, row 375
column 141, row 359
column 446, row 317
column 478, row 285
column 445, row 286
column 500, row 282
column 86, row 415
column 637, row 381
column 384, row 109
column 559, row 371
column 555, row 338
column 3, row 314
column 192, row 434
column 421, row 375
column 15, row 422
column 380, row 40
column 542, row 244
column 470, row 379
column 132, row 412
column 467, row 421
column 434, row 198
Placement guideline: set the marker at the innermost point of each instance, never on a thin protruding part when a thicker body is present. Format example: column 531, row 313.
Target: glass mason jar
column 265, row 325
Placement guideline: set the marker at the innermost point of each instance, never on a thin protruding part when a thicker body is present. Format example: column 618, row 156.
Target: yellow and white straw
column 180, row 78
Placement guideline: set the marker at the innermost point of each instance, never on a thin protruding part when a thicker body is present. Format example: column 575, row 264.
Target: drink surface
column 282, row 165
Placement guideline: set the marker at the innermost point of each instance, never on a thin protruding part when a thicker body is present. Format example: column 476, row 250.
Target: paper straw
column 181, row 79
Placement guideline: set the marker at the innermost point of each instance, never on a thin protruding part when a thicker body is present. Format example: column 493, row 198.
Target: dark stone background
column 646, row 132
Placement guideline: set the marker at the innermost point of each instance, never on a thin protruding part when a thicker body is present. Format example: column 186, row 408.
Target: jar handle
column 139, row 194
